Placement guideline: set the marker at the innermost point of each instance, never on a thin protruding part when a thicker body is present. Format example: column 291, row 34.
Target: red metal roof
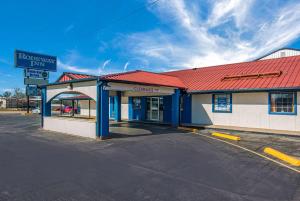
column 263, row 74
column 73, row 76
column 144, row 77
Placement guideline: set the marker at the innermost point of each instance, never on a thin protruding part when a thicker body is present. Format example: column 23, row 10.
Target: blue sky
column 100, row 37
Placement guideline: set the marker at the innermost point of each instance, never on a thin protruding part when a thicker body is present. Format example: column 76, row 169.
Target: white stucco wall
column 124, row 108
column 88, row 88
column 79, row 127
column 281, row 53
column 248, row 110
column 84, row 107
column 3, row 103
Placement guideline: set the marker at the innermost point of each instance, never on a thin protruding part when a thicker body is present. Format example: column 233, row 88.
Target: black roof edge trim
column 244, row 90
column 71, row 81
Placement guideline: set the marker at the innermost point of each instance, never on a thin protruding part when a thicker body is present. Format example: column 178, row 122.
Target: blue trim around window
column 213, row 103
column 283, row 113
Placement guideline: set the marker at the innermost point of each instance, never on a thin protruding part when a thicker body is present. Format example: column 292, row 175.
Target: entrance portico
column 117, row 99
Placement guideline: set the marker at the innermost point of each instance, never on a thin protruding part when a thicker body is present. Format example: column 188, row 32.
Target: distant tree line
column 17, row 93
column 14, row 99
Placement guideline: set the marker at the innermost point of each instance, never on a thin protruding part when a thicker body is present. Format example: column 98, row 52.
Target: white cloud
column 8, row 89
column 230, row 31
column 73, row 61
column 69, row 67
column 105, row 63
column 69, row 28
column 223, row 10
column 4, row 61
column 126, row 66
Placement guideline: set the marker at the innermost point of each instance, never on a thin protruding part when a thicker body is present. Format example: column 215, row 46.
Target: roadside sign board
column 30, row 81
column 36, row 74
column 32, row 90
column 25, row 59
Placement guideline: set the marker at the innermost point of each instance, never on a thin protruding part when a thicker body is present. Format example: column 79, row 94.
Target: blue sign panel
column 32, row 90
column 36, row 74
column 35, row 61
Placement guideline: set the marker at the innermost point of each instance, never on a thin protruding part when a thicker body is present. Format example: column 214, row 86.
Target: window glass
column 222, row 102
column 282, row 102
column 161, row 104
column 136, row 103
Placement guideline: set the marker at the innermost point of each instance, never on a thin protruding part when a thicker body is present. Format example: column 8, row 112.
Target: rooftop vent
column 252, row 76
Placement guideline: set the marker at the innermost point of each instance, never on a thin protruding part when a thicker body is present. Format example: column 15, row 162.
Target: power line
column 133, row 12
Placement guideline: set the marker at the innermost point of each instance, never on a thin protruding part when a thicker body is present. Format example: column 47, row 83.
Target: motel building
column 261, row 95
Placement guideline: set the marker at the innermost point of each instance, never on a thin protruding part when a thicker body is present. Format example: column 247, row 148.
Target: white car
column 36, row 111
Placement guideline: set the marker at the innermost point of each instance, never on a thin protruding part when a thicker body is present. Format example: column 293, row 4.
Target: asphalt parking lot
column 158, row 163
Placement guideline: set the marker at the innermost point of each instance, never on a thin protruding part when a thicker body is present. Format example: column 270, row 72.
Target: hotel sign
column 146, row 89
column 36, row 74
column 35, row 61
column 139, row 88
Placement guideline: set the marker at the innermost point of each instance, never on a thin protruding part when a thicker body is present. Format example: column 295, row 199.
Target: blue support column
column 46, row 106
column 102, row 113
column 175, row 108
column 111, row 107
column 143, row 108
column 118, row 107
column 130, row 109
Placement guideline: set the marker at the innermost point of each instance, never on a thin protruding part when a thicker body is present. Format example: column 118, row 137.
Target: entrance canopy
column 99, row 89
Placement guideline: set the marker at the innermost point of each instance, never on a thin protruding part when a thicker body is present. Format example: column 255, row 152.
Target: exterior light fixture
column 70, row 87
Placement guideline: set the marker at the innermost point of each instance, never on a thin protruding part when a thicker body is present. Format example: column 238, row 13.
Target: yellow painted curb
column 226, row 136
column 251, row 151
column 277, row 154
column 187, row 129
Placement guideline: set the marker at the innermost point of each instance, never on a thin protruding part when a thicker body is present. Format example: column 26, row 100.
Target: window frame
column 220, row 111
column 283, row 113
column 134, row 105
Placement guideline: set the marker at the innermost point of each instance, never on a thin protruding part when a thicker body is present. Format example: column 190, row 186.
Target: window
column 136, row 103
column 222, row 103
column 282, row 103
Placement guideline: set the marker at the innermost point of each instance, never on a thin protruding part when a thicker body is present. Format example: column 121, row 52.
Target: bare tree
column 18, row 93
column 6, row 94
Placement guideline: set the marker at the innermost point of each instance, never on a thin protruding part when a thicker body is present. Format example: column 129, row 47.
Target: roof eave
column 243, row 90
column 143, row 83
column 70, row 81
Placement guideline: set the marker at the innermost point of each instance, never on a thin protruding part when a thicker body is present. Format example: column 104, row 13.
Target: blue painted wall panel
column 130, row 112
column 167, row 112
column 111, row 107
column 175, row 108
column 186, row 113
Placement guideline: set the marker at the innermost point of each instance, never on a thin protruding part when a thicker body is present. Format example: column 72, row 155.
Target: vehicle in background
column 69, row 109
column 36, row 110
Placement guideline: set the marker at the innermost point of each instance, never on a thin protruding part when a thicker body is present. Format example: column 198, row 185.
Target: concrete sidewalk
column 245, row 129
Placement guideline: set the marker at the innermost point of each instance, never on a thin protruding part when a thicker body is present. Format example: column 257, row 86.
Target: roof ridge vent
column 252, row 76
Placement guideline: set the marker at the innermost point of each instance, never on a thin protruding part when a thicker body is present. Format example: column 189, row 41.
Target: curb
column 226, row 136
column 284, row 157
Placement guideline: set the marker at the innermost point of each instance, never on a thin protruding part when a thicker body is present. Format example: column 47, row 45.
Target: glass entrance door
column 154, row 108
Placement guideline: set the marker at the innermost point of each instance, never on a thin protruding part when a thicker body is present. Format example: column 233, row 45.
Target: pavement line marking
column 277, row 154
column 249, row 150
column 226, row 136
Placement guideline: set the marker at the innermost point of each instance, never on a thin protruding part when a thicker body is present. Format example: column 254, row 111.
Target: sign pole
column 27, row 102
column 36, row 70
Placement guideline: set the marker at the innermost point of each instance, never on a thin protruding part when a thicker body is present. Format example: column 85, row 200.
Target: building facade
column 262, row 94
